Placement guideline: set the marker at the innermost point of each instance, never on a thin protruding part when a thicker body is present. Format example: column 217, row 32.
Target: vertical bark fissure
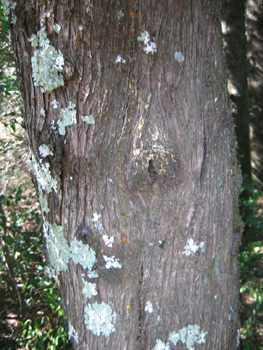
column 203, row 164
column 140, row 336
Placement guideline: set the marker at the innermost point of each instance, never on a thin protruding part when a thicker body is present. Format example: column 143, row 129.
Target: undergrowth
column 31, row 314
column 251, row 268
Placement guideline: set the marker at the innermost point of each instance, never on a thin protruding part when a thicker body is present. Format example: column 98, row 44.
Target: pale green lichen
column 100, row 319
column 72, row 333
column 57, row 246
column 67, row 118
column 57, row 28
column 92, row 274
column 179, row 57
column 120, row 14
column 82, row 254
column 45, row 151
column 47, row 63
column 89, row 119
column 60, row 252
column 43, row 175
column 89, row 289
column 43, row 201
column 42, row 112
column 45, row 182
column 189, row 335
column 47, row 14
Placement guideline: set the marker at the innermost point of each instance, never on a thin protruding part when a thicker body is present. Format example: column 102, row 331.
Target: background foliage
column 251, row 268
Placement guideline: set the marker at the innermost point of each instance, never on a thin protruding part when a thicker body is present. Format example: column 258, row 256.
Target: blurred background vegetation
column 31, row 315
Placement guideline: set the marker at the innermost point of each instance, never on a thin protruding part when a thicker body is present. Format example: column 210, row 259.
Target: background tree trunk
column 235, row 47
column 255, row 58
column 234, row 30
column 157, row 171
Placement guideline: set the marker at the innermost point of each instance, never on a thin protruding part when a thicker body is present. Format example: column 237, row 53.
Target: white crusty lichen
column 72, row 333
column 54, row 104
column 179, row 57
column 192, row 247
column 47, row 63
column 44, row 151
column 100, row 319
column 57, row 28
column 149, row 46
column 148, row 307
column 67, row 118
column 89, row 119
column 96, row 218
column 119, row 59
column 53, row 126
column 82, row 254
column 89, row 289
column 111, row 261
column 42, row 112
column 108, row 240
column 160, row 345
column 47, row 14
column 189, row 336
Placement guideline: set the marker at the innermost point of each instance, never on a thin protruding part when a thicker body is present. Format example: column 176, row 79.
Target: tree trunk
column 139, row 208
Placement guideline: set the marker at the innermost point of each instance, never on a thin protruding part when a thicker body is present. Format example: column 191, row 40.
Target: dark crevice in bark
column 140, row 311
column 203, row 165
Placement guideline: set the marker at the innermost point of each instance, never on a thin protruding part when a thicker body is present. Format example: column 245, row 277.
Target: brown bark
column 159, row 165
